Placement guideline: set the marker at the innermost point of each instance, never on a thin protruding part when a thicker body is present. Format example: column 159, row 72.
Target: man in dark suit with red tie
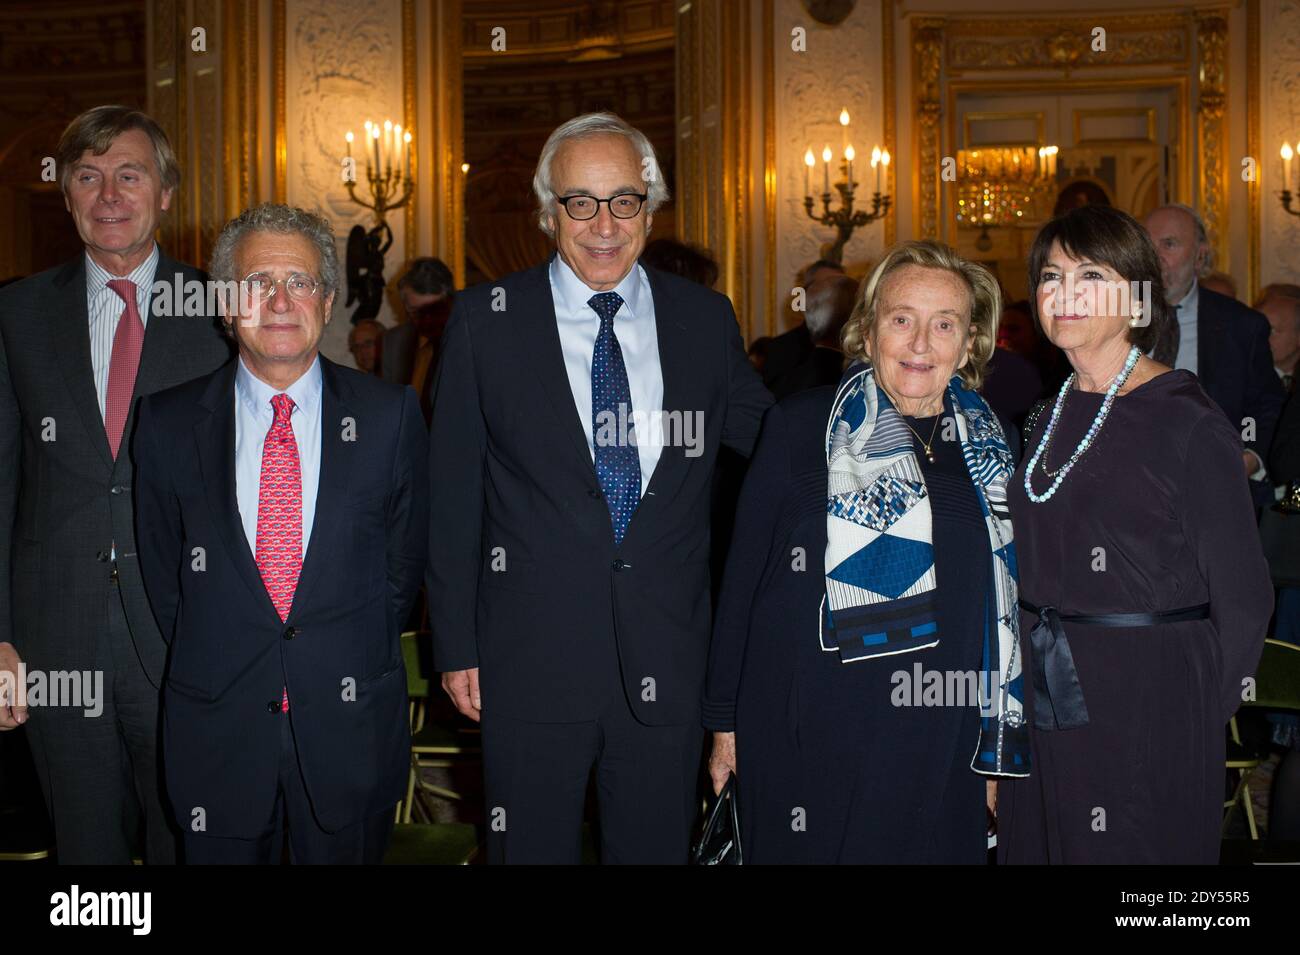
column 282, row 517
column 79, row 346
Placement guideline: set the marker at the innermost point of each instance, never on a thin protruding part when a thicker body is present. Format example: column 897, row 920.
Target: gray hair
column 286, row 220
column 584, row 127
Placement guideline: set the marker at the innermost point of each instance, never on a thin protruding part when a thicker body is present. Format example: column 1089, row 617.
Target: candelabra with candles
column 386, row 144
column 1287, row 155
column 365, row 251
column 844, row 219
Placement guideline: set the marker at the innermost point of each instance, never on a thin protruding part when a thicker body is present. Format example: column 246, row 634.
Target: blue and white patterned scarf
column 880, row 579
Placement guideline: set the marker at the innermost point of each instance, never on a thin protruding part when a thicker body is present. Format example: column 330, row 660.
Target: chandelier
column 1001, row 186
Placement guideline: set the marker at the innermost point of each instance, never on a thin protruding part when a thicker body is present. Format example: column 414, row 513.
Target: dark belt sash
column 1058, row 698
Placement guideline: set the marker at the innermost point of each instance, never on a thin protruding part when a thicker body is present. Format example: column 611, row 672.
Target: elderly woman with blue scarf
column 864, row 678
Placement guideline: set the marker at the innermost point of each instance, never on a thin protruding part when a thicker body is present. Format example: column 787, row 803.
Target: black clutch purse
column 719, row 843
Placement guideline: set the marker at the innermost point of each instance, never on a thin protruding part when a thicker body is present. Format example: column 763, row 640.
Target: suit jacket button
column 115, row 489
column 290, row 633
column 619, row 565
column 274, row 706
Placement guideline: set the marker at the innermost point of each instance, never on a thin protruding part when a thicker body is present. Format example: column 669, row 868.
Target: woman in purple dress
column 1144, row 593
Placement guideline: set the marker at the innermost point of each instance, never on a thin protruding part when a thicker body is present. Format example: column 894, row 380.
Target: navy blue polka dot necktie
column 617, row 465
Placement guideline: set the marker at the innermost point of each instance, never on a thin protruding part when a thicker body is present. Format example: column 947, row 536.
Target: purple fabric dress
column 1155, row 516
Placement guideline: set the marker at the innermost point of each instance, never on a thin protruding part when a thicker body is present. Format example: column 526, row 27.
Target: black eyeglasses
column 623, row 206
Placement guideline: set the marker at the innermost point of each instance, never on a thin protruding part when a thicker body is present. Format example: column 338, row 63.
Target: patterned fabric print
column 880, row 505
column 617, row 465
column 1003, row 745
column 879, row 560
column 128, row 341
column 279, row 513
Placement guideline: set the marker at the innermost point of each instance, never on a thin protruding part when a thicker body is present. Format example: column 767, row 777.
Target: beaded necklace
column 1086, row 441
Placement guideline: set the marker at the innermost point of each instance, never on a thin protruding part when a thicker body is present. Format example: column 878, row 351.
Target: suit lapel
column 337, row 458
column 680, row 394
column 541, row 341
column 161, row 343
column 72, row 334
column 215, row 435
column 1207, row 337
column 160, row 334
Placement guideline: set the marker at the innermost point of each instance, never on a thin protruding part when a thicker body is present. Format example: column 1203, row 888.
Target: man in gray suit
column 79, row 345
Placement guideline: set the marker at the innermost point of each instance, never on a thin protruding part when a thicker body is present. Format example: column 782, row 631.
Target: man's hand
column 11, row 714
column 722, row 761
column 991, row 801
column 462, row 687
column 1252, row 462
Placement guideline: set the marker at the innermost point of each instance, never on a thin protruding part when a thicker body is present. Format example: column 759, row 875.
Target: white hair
column 584, row 127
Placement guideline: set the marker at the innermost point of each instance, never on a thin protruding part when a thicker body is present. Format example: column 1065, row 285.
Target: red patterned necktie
column 128, row 340
column 279, row 513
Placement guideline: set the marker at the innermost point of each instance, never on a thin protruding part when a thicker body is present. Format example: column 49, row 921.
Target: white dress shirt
column 634, row 326
column 254, row 416
column 105, row 307
column 1187, row 330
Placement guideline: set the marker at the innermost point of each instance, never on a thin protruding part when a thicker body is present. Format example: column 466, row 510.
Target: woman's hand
column 991, row 800
column 722, row 761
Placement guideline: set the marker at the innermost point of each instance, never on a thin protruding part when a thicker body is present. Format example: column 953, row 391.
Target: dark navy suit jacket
column 338, row 653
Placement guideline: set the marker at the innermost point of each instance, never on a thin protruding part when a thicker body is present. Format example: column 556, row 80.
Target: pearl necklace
column 1102, row 413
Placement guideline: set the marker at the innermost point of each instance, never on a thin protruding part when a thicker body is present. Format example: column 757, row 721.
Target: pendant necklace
column 928, row 445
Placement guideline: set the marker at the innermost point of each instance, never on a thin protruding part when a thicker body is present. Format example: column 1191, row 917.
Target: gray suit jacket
column 64, row 500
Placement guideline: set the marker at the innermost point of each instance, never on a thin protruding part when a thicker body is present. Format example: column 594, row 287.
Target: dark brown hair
column 1107, row 236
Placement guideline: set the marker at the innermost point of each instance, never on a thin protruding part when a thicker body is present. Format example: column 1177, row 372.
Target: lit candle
column 348, row 137
column 884, row 164
column 826, row 169
column 1286, row 165
column 407, row 137
column 844, row 128
column 388, row 145
column 808, row 162
column 875, row 164
column 848, row 158
column 374, row 139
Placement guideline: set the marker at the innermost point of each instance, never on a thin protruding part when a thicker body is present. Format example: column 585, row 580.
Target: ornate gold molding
column 948, row 52
column 1211, row 125
column 889, row 122
column 927, row 65
column 409, row 119
column 983, row 43
column 769, row 166
column 1253, row 144
column 281, row 146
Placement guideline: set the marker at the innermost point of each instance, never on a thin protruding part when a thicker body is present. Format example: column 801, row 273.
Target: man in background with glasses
column 577, row 416
column 282, row 520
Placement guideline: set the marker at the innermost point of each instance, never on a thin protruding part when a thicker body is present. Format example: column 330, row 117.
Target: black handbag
column 719, row 843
